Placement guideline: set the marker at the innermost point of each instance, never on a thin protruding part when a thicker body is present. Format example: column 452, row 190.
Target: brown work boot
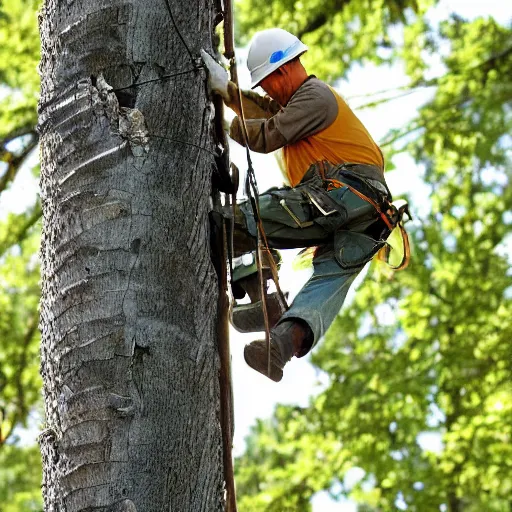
column 255, row 355
column 286, row 339
column 250, row 318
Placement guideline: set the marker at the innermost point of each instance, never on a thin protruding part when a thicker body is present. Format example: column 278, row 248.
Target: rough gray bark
column 128, row 311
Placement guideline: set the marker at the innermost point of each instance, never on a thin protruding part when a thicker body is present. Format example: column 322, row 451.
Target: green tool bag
column 289, row 206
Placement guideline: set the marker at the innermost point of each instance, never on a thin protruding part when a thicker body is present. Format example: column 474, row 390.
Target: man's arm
column 257, row 109
column 312, row 109
column 255, row 106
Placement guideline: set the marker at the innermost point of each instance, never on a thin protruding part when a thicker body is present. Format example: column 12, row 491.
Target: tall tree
column 128, row 312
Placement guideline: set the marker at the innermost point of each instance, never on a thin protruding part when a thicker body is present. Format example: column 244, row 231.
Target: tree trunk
column 129, row 305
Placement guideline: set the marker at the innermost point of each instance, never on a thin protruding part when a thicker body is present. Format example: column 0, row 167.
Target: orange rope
column 383, row 216
column 252, row 193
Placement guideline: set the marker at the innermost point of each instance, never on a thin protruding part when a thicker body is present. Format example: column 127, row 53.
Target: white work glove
column 217, row 76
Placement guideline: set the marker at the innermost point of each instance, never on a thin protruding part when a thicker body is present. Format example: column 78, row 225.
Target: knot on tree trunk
column 128, row 123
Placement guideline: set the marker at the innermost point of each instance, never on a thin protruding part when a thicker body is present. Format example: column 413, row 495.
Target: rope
column 161, row 79
column 186, row 143
column 251, row 186
column 251, row 189
column 178, row 32
column 227, row 420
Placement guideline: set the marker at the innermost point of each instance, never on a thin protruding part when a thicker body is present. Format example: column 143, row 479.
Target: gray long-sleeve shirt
column 311, row 109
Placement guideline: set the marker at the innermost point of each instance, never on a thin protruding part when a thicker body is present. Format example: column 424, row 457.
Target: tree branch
column 320, row 19
column 19, row 132
column 14, row 162
column 17, row 237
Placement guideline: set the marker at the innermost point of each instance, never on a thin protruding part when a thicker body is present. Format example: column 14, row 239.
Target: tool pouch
column 291, row 207
column 322, row 200
column 353, row 249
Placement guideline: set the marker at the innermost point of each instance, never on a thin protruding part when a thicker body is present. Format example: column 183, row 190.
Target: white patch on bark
column 132, row 126
column 129, row 123
column 92, row 160
column 124, row 506
column 103, row 96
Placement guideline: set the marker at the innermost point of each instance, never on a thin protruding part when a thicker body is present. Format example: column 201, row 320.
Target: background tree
column 19, row 292
column 20, row 475
column 339, row 33
column 20, row 471
column 426, row 350
column 129, row 300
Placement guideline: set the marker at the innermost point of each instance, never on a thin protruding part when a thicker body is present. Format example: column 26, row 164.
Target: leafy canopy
column 338, row 32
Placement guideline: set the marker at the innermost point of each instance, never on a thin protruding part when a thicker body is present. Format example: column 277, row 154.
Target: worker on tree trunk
column 336, row 175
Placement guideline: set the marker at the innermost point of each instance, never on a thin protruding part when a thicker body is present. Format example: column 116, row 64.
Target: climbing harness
column 392, row 216
column 319, row 188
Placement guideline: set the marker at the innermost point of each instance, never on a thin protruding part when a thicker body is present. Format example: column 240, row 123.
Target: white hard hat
column 269, row 50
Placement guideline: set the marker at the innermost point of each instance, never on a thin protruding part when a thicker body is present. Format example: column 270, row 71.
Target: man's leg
column 320, row 300
column 245, row 281
column 312, row 312
column 281, row 231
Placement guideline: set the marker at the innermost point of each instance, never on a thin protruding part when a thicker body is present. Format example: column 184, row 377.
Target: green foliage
column 20, row 468
column 467, row 117
column 19, row 297
column 425, row 351
column 19, row 234
column 19, row 56
column 277, row 453
column 338, row 32
column 20, row 479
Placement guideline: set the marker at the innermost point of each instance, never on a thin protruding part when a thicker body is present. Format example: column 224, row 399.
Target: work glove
column 217, row 76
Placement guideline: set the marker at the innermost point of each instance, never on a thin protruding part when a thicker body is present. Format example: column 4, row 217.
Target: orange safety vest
column 346, row 140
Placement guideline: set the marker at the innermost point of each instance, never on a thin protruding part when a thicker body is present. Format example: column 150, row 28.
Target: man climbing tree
column 339, row 200
column 129, row 348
